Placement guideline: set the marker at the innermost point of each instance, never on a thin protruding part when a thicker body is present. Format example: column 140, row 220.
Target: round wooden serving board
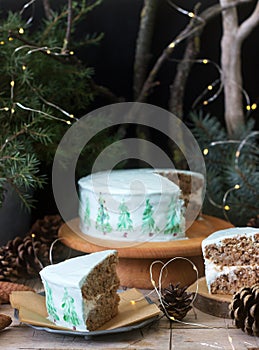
column 212, row 304
column 135, row 258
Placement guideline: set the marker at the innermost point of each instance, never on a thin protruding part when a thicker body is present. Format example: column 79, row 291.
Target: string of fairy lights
column 241, row 144
column 29, row 50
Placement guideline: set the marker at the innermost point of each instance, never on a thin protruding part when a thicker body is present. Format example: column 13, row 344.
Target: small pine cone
column 26, row 257
column 6, row 288
column 254, row 222
column 244, row 309
column 176, row 301
column 5, row 321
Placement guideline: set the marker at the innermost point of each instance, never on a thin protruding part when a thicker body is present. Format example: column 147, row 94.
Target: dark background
column 113, row 58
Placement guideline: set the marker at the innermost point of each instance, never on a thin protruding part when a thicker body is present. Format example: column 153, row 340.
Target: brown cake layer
column 240, row 250
column 106, row 308
column 100, row 289
column 232, row 282
column 101, row 279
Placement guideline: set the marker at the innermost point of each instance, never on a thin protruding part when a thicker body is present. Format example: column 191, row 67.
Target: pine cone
column 176, row 301
column 6, row 288
column 244, row 309
column 23, row 257
column 254, row 222
column 5, row 321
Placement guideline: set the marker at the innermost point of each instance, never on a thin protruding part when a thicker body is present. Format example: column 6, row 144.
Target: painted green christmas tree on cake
column 70, row 314
column 87, row 220
column 52, row 311
column 102, row 221
column 148, row 222
column 173, row 218
column 125, row 222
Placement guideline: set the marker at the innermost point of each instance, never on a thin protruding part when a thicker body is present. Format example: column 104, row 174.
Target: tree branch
column 47, row 9
column 191, row 28
column 143, row 45
column 248, row 25
column 187, row 32
column 177, row 88
column 69, row 25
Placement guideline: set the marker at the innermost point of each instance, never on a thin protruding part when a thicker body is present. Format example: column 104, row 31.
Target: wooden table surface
column 211, row 333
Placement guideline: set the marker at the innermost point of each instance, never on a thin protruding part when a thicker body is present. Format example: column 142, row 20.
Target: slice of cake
column 231, row 259
column 81, row 293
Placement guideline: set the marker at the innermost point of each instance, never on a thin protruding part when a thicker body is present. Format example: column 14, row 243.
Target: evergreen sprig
column 225, row 170
column 40, row 79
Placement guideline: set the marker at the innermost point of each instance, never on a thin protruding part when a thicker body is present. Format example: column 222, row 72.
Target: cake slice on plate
column 81, row 293
column 231, row 259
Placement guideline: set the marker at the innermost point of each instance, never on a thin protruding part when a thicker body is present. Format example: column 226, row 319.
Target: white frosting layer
column 218, row 236
column 212, row 270
column 128, row 182
column 62, row 283
column 131, row 205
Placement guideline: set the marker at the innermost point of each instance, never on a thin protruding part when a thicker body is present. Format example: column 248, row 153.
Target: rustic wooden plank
column 23, row 337
column 191, row 339
column 211, row 333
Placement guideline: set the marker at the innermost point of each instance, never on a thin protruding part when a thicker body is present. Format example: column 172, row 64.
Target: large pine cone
column 244, row 309
column 176, row 302
column 23, row 257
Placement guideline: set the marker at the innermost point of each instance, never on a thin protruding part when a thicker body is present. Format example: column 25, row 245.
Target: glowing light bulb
column 23, row 67
column 12, row 110
column 33, row 235
column 48, row 52
column 21, row 31
column 205, row 103
column 210, row 87
column 12, row 83
column 68, row 122
column 227, row 207
column 205, row 151
column 6, row 109
column 10, row 38
column 237, row 154
column 254, row 106
column 172, row 45
column 248, row 108
column 237, row 186
column 2, row 42
column 191, row 14
column 71, row 115
column 132, row 302
column 205, row 61
column 71, row 53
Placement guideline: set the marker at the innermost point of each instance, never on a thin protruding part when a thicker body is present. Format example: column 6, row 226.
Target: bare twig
column 231, row 43
column 190, row 30
column 69, row 25
column 143, row 44
column 248, row 25
column 47, row 9
column 177, row 89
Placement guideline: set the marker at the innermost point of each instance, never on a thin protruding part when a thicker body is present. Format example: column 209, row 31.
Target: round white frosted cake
column 131, row 205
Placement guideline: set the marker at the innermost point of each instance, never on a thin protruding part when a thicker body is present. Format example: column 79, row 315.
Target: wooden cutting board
column 212, row 304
